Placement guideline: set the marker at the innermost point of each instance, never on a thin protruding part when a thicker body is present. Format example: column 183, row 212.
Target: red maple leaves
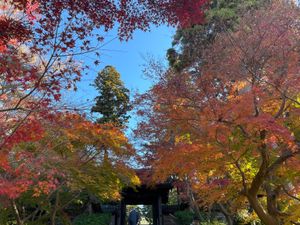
column 38, row 48
column 31, row 8
column 189, row 12
column 231, row 125
column 23, row 171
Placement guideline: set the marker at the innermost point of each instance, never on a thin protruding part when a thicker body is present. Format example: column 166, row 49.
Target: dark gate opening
column 155, row 196
column 144, row 211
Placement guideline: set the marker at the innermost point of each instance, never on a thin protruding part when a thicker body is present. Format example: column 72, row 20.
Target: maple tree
column 232, row 124
column 39, row 44
column 40, row 40
column 70, row 153
column 188, row 49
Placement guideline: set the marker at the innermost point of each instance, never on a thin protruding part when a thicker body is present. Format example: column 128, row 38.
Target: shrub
column 93, row 219
column 215, row 222
column 184, row 217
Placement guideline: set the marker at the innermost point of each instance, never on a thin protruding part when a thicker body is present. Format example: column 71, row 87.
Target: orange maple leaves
column 236, row 110
column 39, row 159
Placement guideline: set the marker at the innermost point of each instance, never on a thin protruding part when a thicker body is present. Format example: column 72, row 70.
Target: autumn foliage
column 232, row 125
column 46, row 148
column 68, row 153
column 227, row 119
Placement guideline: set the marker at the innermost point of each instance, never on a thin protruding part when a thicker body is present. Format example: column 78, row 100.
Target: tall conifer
column 113, row 102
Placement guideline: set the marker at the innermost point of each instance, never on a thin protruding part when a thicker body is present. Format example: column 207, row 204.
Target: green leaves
column 113, row 101
column 93, row 219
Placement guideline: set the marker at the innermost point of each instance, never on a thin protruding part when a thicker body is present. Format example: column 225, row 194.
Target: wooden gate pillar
column 117, row 217
column 123, row 213
column 157, row 211
column 159, row 208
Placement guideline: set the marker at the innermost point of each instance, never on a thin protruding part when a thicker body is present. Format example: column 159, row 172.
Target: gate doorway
column 145, row 212
column 153, row 197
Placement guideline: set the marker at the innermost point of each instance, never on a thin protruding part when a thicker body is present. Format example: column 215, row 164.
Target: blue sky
column 128, row 58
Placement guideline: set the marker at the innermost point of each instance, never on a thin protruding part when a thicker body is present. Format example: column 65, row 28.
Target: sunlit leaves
column 231, row 125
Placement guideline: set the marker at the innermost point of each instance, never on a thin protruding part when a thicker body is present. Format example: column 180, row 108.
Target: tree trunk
column 227, row 215
column 89, row 205
column 263, row 216
column 258, row 181
column 15, row 208
column 209, row 214
column 272, row 195
column 192, row 200
column 53, row 214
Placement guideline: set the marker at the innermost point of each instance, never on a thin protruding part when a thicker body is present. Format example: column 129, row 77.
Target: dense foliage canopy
column 225, row 113
column 231, row 125
column 46, row 149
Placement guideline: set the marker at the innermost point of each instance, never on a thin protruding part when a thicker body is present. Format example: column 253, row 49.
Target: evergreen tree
column 113, row 102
